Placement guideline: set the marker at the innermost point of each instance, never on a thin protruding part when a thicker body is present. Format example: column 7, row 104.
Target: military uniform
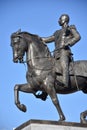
column 64, row 39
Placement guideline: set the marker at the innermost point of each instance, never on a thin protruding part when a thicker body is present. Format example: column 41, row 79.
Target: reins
column 44, row 69
column 37, row 57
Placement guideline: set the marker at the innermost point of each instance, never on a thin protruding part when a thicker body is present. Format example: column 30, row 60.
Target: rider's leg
column 65, row 69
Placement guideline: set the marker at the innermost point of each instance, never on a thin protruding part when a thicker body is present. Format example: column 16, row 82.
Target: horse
column 42, row 74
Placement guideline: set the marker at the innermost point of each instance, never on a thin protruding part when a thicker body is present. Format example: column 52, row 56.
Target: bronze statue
column 44, row 73
column 64, row 39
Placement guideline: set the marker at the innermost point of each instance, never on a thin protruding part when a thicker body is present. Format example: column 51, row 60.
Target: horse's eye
column 16, row 39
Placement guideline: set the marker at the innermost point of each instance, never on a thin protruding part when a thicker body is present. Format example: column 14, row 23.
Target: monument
column 51, row 74
column 51, row 125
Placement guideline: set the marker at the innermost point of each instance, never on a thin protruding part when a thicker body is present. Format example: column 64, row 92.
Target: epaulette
column 72, row 26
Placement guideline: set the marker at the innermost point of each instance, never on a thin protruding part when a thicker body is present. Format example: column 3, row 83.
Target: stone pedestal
column 51, row 125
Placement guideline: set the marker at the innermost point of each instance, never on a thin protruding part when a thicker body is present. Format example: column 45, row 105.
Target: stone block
column 51, row 125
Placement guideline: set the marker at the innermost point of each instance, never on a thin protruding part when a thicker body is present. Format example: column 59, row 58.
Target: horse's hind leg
column 24, row 88
column 49, row 87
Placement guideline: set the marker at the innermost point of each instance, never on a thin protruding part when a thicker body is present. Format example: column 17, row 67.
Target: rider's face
column 61, row 21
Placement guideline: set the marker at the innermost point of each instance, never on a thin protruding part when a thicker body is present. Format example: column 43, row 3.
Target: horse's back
column 78, row 68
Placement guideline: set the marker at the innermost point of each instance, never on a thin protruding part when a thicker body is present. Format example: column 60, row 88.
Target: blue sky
column 37, row 17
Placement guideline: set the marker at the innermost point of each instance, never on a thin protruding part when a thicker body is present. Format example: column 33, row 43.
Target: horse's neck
column 33, row 53
column 37, row 52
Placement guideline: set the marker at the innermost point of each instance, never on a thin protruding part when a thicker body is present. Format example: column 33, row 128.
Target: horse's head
column 19, row 46
column 32, row 44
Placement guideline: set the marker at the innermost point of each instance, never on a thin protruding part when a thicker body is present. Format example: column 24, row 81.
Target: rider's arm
column 75, row 36
column 48, row 39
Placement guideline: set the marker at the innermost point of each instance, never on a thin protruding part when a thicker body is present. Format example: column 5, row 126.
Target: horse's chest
column 35, row 80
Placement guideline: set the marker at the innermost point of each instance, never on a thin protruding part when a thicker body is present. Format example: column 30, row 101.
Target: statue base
column 51, row 125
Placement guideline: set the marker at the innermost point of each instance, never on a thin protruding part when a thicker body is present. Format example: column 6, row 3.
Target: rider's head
column 64, row 19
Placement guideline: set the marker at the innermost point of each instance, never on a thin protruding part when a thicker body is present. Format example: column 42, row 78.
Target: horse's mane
column 35, row 37
column 32, row 35
column 24, row 32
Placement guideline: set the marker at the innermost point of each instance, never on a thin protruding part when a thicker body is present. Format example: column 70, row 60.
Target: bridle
column 17, row 39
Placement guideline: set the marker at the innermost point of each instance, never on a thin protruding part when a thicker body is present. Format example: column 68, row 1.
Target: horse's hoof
column 62, row 118
column 23, row 108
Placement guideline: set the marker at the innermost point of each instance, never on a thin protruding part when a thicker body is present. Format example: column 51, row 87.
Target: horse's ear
column 18, row 31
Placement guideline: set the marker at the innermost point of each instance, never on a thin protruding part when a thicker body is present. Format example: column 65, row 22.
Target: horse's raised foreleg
column 24, row 88
column 49, row 87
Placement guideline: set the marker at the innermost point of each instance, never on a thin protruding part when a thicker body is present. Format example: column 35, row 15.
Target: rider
column 64, row 38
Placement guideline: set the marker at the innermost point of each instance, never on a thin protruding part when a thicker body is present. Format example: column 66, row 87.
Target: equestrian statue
column 52, row 74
